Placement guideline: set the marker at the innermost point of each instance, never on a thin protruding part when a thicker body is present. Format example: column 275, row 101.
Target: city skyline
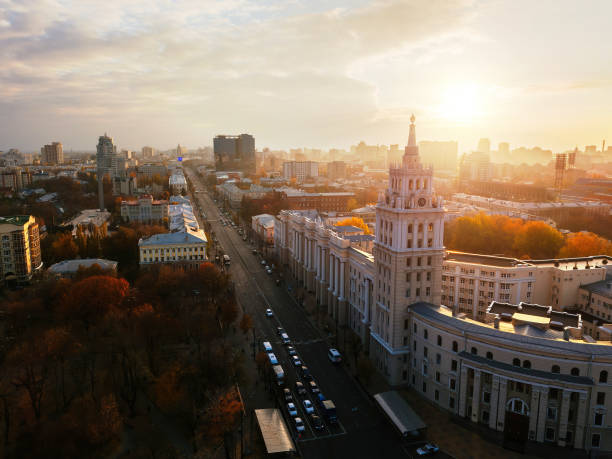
column 467, row 69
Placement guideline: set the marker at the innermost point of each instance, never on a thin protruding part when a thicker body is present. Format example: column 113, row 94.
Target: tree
column 64, row 248
column 228, row 312
column 246, row 323
column 585, row 244
column 222, row 414
column 95, row 297
column 538, row 240
column 351, row 204
column 355, row 221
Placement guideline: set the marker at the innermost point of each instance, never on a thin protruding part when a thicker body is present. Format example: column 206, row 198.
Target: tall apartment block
column 52, row 154
column 20, row 251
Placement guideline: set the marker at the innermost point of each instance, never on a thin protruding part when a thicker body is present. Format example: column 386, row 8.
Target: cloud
column 204, row 67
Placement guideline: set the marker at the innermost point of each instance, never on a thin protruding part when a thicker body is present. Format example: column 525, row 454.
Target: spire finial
column 412, row 134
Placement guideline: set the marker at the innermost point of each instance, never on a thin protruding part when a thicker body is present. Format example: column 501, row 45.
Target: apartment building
column 595, row 307
column 300, row 170
column 20, row 257
column 145, row 210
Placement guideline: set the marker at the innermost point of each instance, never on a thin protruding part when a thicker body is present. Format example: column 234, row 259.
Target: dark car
column 287, row 394
column 305, row 373
column 299, row 388
column 317, row 422
column 313, row 387
column 280, row 330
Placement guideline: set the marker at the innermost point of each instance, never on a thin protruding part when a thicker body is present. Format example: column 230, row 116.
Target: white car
column 296, row 361
column 291, row 350
column 292, row 409
column 299, row 425
column 269, row 312
column 308, row 406
column 273, row 359
column 263, row 262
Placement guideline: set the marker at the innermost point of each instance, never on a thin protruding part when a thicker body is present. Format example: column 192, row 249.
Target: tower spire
column 412, row 134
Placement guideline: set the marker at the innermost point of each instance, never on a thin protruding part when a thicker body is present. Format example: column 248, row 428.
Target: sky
column 304, row 73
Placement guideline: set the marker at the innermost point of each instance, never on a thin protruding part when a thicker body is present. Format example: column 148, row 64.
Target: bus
column 226, row 260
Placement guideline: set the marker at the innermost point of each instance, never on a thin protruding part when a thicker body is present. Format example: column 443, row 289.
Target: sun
column 461, row 102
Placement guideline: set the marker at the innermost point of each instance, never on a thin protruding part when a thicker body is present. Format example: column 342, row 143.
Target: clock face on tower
column 422, row 202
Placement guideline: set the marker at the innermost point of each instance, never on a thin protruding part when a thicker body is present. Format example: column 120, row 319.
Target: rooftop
column 18, row 220
column 72, row 266
column 596, row 261
column 603, row 287
column 487, row 260
column 347, row 229
column 189, row 236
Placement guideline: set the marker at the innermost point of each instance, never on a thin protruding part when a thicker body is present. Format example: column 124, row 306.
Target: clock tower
column 408, row 253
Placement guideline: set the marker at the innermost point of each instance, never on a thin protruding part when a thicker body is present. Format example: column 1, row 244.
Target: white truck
column 226, row 260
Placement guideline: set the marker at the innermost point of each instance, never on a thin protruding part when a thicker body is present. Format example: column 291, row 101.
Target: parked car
column 292, row 409
column 299, row 388
column 269, row 312
column 263, row 262
column 308, row 406
column 313, row 387
column 305, row 373
column 320, row 399
column 280, row 330
column 291, row 350
column 285, row 338
column 317, row 422
column 296, row 360
column 273, row 359
column 428, row 450
column 287, row 394
column 299, row 425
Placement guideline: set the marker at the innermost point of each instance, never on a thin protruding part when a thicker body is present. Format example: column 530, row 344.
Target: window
column 454, row 366
column 437, row 395
column 486, row 397
column 438, row 359
column 599, row 419
column 451, row 384
column 553, row 394
column 490, row 355
column 526, row 364
column 451, row 402
column 404, row 375
column 550, row 434
column 595, row 440
column 455, row 346
column 425, row 351
column 485, row 416
column 555, row 369
column 439, row 340
column 516, row 362
column 575, row 372
column 601, row 398
column 474, row 351
column 425, row 334
column 437, row 376
column 415, row 328
column 603, row 376
column 414, row 345
column 405, row 324
column 551, row 413
column 408, row 261
column 424, row 387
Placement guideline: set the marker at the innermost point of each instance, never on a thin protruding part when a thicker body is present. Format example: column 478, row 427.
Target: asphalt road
column 362, row 431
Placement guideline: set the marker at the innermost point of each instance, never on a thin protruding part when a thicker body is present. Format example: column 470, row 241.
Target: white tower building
column 408, row 253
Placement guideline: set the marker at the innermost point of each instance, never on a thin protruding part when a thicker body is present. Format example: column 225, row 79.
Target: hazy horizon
column 304, row 74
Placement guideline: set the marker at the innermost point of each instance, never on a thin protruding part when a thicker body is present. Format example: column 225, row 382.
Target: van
column 285, row 338
column 334, row 355
column 267, row 346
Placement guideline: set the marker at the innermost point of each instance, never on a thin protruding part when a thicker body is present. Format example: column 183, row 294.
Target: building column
column 501, row 406
column 542, row 415
column 534, row 411
column 494, row 402
column 463, row 391
column 342, row 268
column 580, row 421
column 476, row 397
column 366, row 302
column 336, row 276
column 565, row 402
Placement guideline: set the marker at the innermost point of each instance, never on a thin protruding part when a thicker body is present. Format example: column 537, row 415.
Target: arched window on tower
column 430, row 227
column 410, row 184
column 420, row 227
column 418, row 184
column 425, row 184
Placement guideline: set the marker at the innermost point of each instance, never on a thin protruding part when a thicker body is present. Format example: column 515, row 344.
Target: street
column 362, row 431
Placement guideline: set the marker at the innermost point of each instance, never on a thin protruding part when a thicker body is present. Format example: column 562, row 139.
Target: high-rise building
column 474, row 167
column 235, row 153
column 441, row 155
column 300, row 170
column 336, row 170
column 52, row 154
column 147, row 152
column 106, row 160
column 484, row 146
column 503, row 148
column 408, row 254
column 20, row 255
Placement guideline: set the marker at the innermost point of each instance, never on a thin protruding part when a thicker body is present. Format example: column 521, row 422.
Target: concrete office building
column 145, row 210
column 183, row 249
column 52, row 154
column 235, row 153
column 20, row 257
column 336, row 170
